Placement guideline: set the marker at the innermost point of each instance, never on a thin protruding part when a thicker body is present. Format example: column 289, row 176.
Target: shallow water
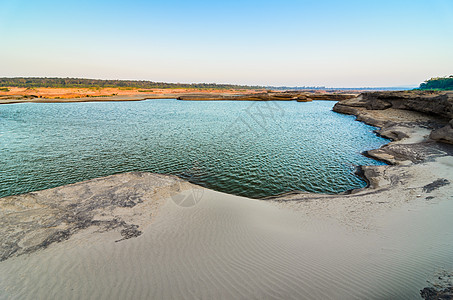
column 253, row 149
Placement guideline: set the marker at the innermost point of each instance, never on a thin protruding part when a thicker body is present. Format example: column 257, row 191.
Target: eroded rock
column 444, row 134
column 123, row 202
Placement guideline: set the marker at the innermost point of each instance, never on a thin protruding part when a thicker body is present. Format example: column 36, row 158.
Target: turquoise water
column 253, row 149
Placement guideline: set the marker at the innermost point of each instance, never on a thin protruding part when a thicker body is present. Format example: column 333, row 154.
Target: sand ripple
column 228, row 247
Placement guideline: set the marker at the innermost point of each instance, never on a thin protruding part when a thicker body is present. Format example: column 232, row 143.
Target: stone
column 444, row 134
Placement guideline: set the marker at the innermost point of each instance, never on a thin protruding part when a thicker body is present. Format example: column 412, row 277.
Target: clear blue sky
column 331, row 43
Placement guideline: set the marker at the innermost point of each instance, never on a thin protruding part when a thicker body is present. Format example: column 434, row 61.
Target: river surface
column 252, row 149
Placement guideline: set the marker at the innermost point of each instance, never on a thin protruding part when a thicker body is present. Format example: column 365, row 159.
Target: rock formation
column 444, row 134
column 274, row 96
column 439, row 105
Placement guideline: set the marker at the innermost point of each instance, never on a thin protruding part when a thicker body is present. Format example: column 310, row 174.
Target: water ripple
column 227, row 146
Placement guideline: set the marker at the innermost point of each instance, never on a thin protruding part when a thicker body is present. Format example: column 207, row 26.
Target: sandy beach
column 150, row 236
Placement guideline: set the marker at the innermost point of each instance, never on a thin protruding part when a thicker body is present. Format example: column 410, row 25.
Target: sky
column 281, row 43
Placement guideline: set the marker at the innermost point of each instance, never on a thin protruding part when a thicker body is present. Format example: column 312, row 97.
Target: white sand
column 229, row 247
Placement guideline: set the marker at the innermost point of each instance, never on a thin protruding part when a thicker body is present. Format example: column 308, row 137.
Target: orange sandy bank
column 66, row 93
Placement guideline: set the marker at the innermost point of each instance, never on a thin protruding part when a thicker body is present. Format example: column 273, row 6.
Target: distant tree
column 438, row 83
column 35, row 82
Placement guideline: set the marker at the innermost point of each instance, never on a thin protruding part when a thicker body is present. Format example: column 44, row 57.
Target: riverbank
column 145, row 235
column 64, row 96
column 415, row 161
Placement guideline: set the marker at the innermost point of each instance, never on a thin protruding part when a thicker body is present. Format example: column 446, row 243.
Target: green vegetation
column 35, row 82
column 438, row 83
column 4, row 89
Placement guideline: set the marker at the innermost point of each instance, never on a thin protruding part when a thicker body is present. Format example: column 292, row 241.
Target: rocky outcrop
column 444, row 134
column 437, row 105
column 441, row 287
column 270, row 96
column 399, row 115
column 409, row 149
column 436, row 294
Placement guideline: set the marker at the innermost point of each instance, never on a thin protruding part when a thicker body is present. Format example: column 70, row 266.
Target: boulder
column 444, row 134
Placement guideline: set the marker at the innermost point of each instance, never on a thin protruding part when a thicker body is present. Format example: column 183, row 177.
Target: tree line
column 438, row 83
column 37, row 82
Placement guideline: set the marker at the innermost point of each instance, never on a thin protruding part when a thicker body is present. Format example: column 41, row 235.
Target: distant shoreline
column 65, row 96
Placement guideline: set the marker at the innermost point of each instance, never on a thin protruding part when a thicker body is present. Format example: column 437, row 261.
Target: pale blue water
column 253, row 149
